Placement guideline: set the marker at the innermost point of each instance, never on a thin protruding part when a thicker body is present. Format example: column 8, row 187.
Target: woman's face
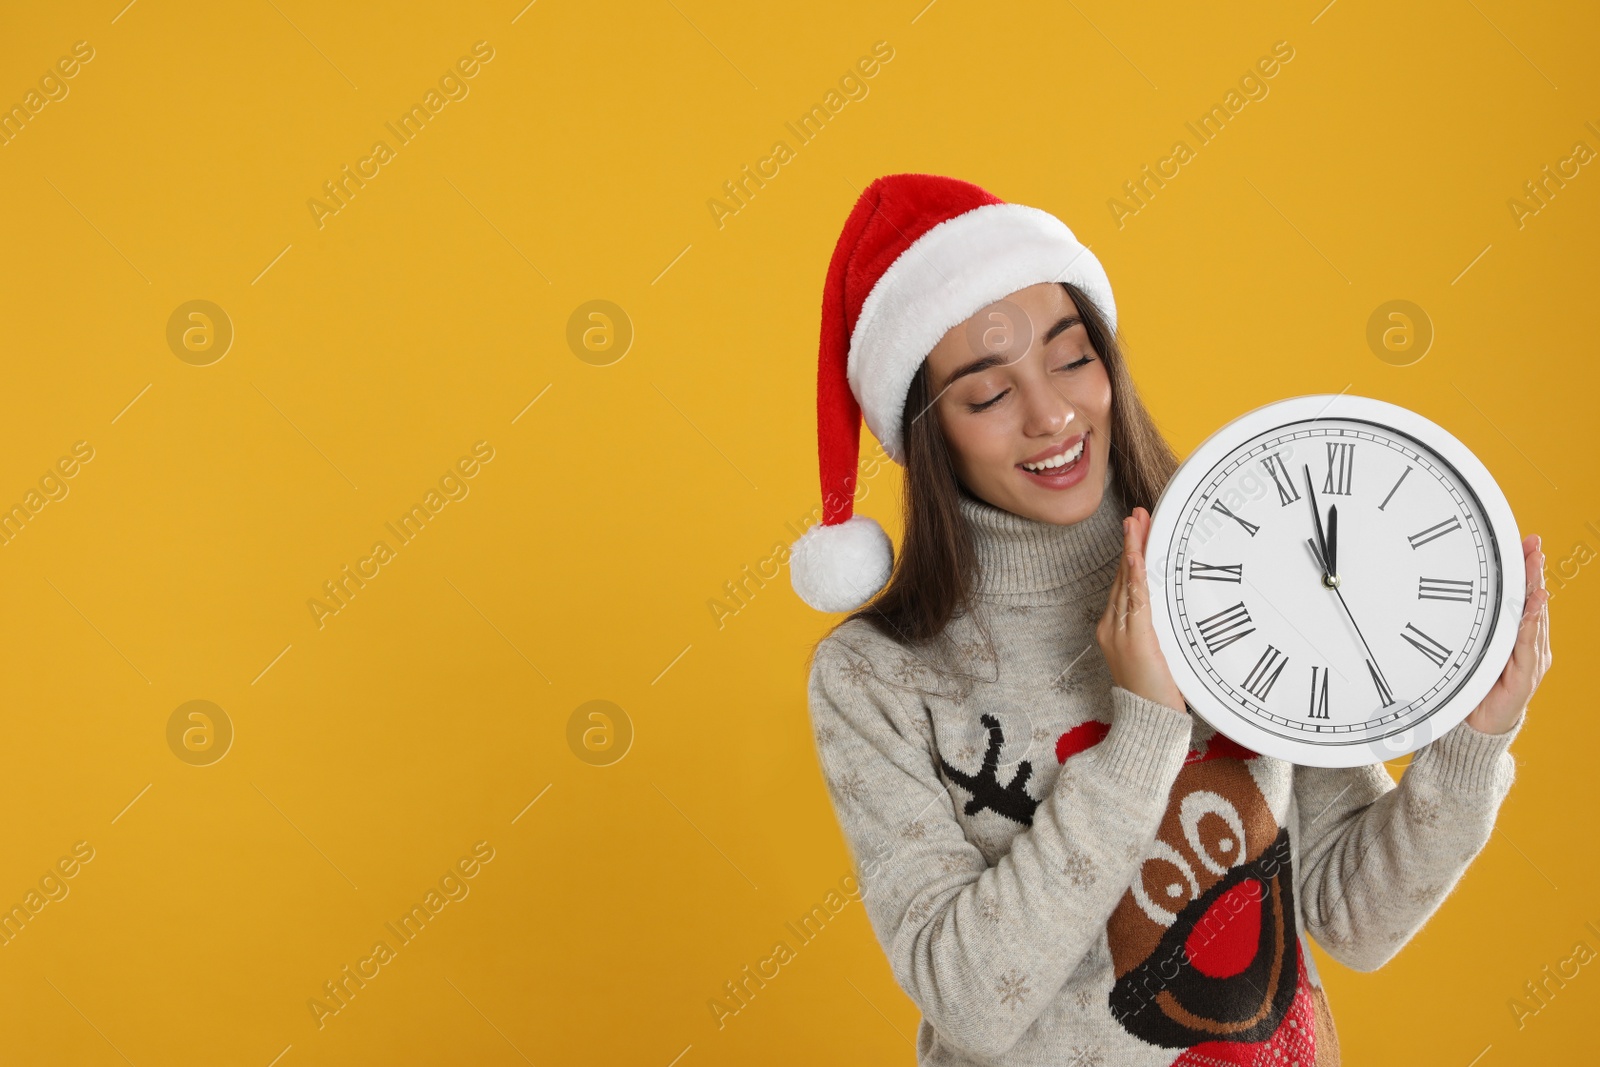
column 1017, row 388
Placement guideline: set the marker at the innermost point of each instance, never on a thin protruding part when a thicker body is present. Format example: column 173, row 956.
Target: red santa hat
column 919, row 254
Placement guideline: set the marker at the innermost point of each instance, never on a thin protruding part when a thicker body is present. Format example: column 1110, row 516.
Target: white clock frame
column 1475, row 478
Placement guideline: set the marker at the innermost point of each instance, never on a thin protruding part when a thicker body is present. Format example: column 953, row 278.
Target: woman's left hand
column 1126, row 635
column 1530, row 657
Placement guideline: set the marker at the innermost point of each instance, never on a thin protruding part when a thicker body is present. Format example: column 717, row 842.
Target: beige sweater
column 1053, row 865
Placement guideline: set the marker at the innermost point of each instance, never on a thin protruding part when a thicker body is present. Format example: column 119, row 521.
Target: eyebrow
column 1067, row 322
column 992, row 359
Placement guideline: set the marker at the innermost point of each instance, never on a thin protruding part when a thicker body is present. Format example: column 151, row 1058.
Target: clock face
column 1327, row 586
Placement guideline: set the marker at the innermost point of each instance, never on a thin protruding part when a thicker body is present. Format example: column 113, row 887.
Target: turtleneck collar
column 1028, row 560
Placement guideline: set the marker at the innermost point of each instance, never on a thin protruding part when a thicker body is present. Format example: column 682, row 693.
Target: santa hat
column 919, row 254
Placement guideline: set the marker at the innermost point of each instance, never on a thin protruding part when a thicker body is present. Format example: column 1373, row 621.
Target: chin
column 1076, row 504
column 1062, row 507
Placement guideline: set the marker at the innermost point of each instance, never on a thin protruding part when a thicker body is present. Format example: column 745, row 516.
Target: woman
column 1062, row 864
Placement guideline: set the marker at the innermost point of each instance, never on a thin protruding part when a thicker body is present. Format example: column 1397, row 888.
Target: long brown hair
column 935, row 572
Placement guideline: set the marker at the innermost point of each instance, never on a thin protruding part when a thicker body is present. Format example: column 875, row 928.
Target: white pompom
column 840, row 567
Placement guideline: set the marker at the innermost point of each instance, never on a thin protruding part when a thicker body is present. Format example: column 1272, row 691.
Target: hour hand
column 1324, row 556
column 1333, row 540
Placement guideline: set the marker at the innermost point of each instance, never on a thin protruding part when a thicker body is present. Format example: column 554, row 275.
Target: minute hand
column 1357, row 625
column 1384, row 693
column 1372, row 660
column 1326, row 555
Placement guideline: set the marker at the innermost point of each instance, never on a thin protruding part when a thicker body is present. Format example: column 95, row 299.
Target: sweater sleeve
column 1376, row 858
column 982, row 950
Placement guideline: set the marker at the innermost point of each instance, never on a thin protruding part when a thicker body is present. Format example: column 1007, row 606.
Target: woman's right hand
column 1125, row 633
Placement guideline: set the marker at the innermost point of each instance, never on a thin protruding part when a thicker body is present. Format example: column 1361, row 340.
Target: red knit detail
column 1082, row 736
column 1091, row 733
column 1228, row 935
column 1220, row 747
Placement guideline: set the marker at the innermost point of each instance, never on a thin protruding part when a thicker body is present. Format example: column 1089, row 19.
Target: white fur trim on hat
column 840, row 567
column 956, row 269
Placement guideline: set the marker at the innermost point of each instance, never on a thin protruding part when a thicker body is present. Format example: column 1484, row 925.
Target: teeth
column 1069, row 456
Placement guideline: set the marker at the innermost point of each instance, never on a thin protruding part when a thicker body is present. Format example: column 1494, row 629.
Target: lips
column 1068, row 473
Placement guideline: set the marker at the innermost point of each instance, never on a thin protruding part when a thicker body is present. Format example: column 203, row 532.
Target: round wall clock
column 1334, row 580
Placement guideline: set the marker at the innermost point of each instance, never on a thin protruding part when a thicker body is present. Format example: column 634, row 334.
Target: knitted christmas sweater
column 1064, row 873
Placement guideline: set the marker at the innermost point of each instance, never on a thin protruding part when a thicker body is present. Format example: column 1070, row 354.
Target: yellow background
column 372, row 352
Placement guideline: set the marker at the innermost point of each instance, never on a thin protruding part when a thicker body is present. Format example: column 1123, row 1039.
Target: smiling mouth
column 1060, row 465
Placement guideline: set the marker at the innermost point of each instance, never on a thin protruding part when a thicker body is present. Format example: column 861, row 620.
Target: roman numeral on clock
column 1319, row 700
column 1444, row 589
column 1385, row 695
column 1223, row 629
column 1426, row 645
column 1433, row 533
column 1287, row 493
column 1341, row 465
column 1249, row 527
column 1260, row 682
column 1396, row 486
column 1222, row 572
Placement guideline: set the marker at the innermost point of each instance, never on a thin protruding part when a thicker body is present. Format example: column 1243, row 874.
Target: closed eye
column 992, row 401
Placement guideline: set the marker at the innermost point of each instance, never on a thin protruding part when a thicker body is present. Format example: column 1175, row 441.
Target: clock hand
column 1329, row 578
column 1372, row 661
column 1353, row 622
column 1316, row 556
column 1333, row 542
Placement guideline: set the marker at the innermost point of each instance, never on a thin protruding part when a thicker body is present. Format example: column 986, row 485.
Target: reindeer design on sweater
column 1203, row 944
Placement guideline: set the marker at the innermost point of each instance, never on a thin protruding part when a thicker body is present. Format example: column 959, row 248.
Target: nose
column 1226, row 938
column 1046, row 412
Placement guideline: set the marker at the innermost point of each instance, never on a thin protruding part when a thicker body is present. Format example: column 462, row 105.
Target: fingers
column 1125, row 575
column 1141, row 519
column 1129, row 594
column 1125, row 633
column 1530, row 655
column 1540, row 598
column 1115, row 607
column 1528, row 650
column 1545, row 655
column 1525, row 651
column 1541, row 640
column 1532, row 563
column 1138, row 589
